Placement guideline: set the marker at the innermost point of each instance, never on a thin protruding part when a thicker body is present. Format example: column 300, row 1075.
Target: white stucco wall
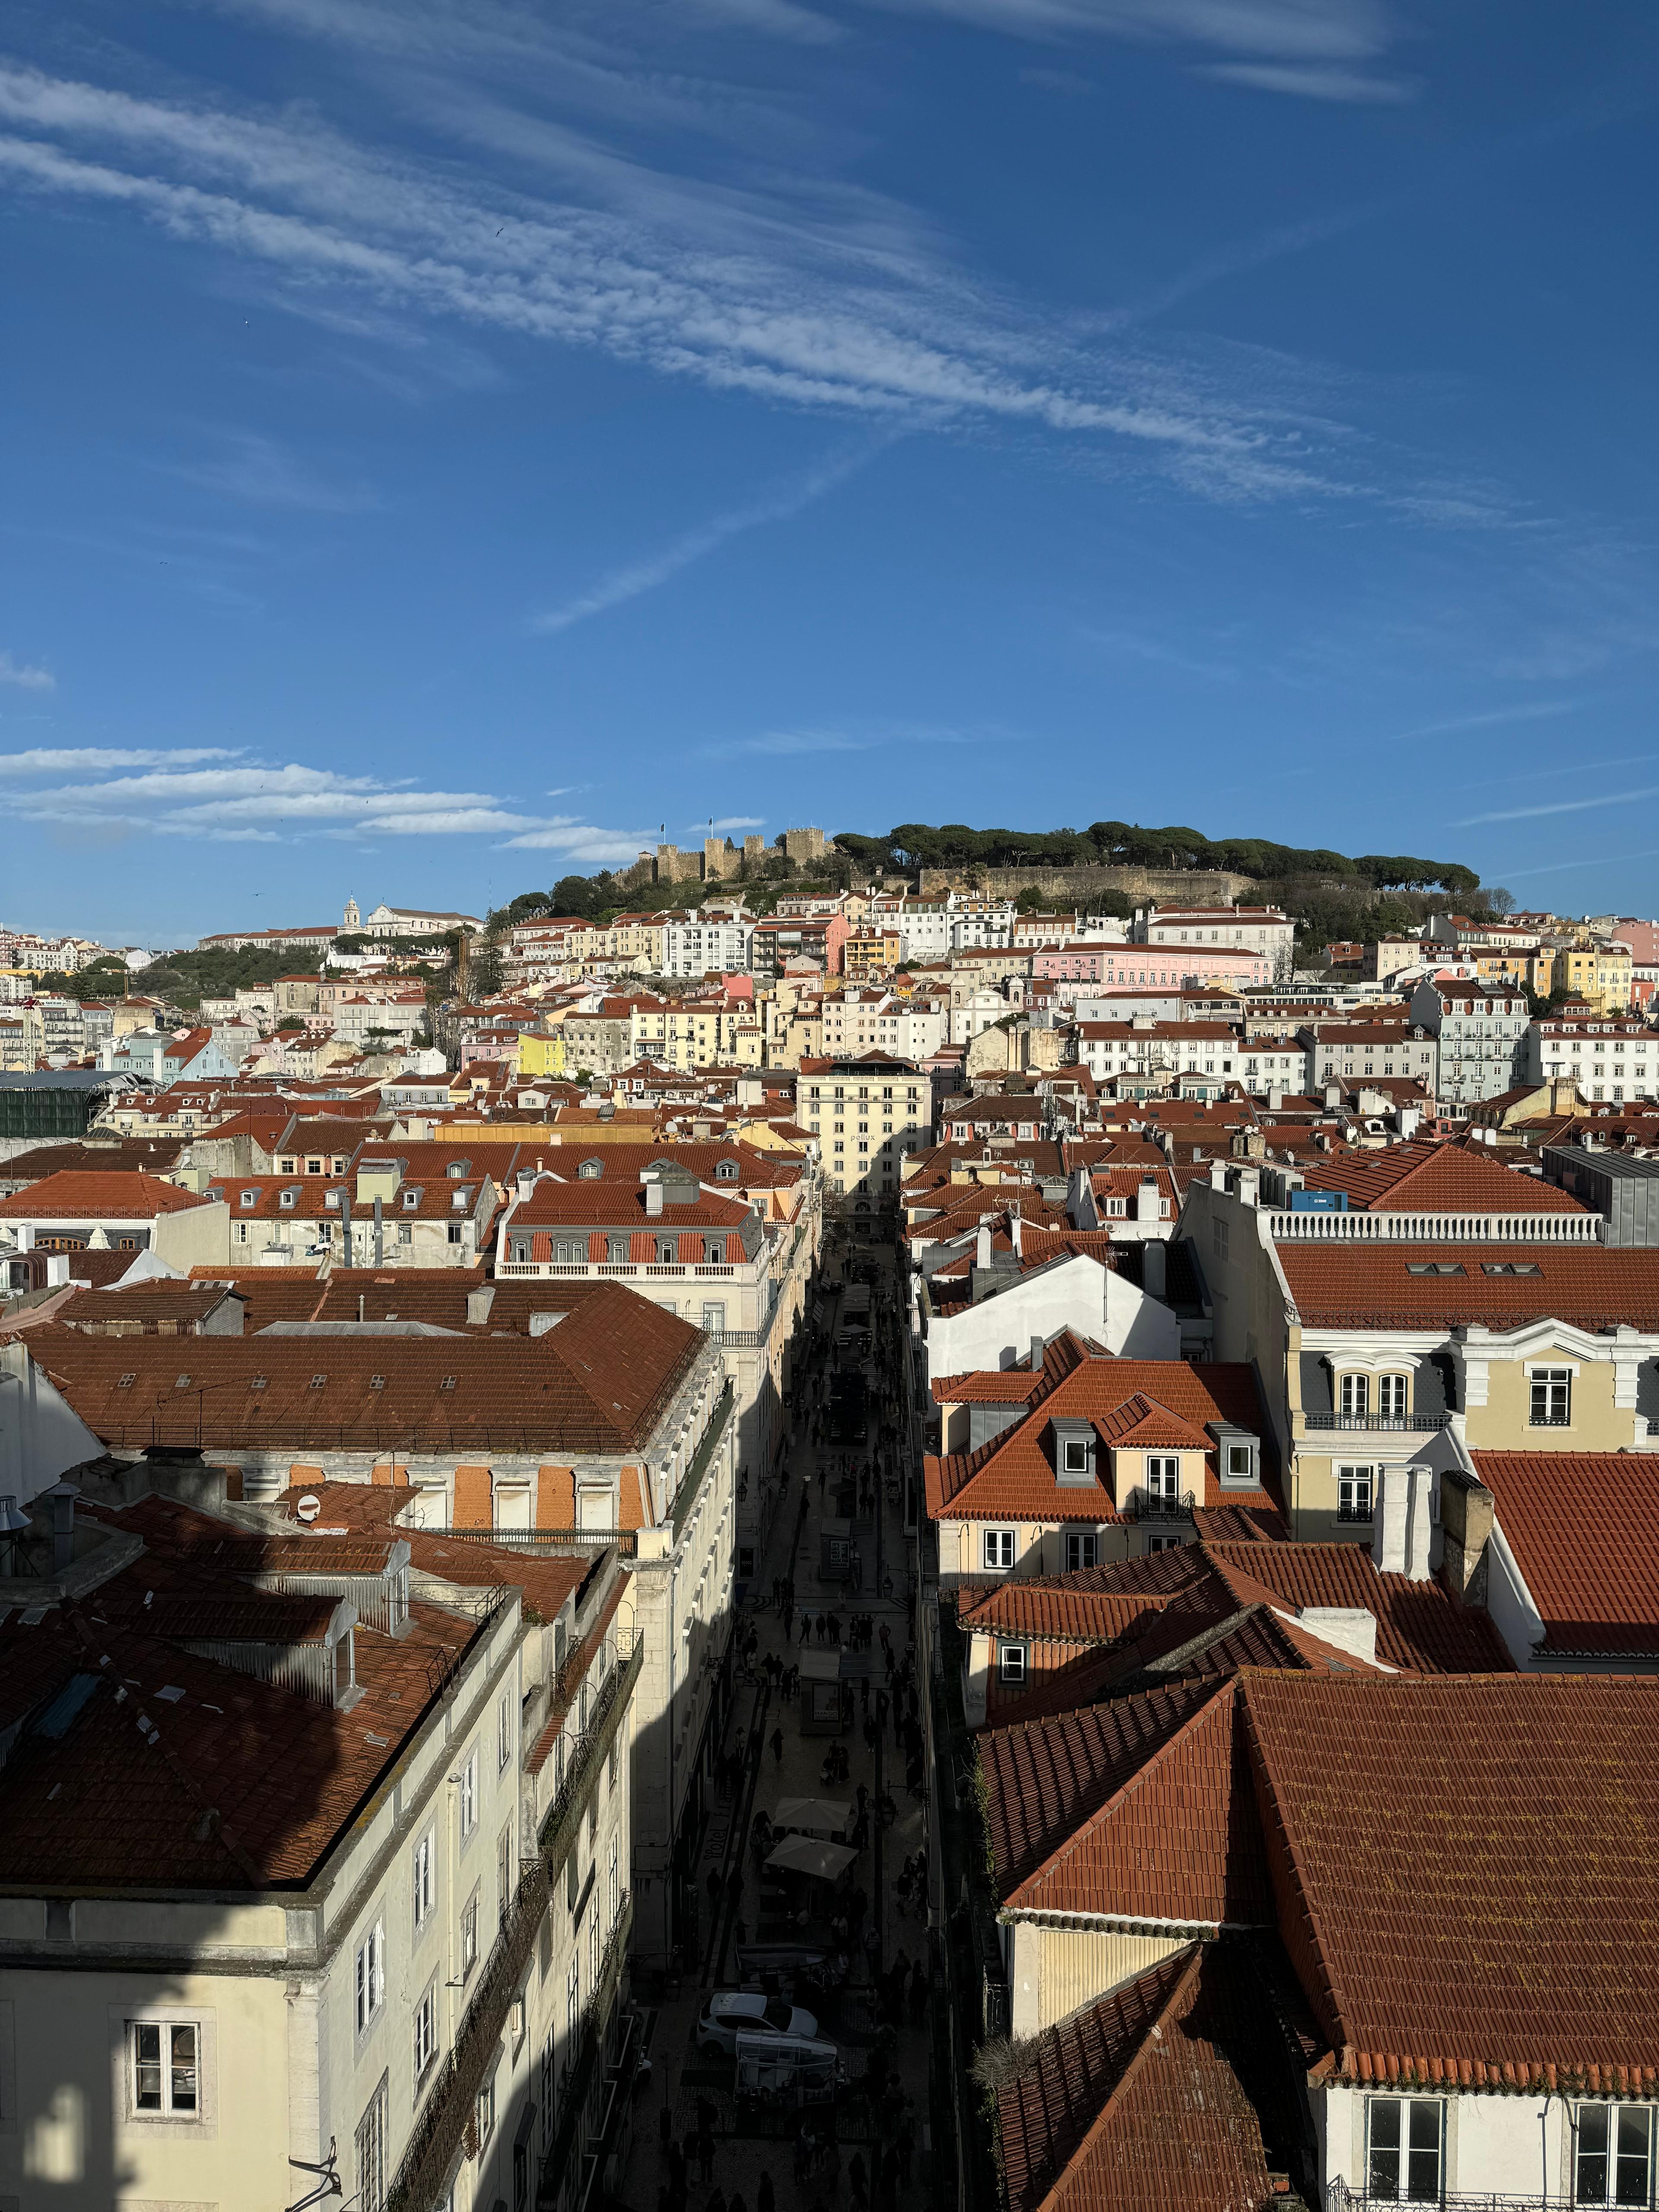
column 1080, row 1294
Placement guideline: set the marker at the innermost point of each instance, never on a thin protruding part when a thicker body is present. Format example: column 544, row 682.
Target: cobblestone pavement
column 883, row 2143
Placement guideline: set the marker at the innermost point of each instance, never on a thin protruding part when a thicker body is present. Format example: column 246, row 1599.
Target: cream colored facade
column 866, row 1119
column 686, row 1034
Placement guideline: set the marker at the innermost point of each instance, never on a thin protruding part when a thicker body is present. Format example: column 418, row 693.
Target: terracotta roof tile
column 1437, row 1178
column 1465, row 1872
column 83, row 1194
column 1584, row 1530
column 1367, row 1286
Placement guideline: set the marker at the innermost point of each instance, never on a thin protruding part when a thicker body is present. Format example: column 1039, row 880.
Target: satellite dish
column 308, row 1508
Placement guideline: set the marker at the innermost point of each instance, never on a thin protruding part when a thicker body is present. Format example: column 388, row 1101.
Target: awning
column 819, row 1666
column 800, row 1855
column 811, row 1813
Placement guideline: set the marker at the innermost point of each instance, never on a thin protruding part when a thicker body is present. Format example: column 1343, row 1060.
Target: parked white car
column 732, row 2013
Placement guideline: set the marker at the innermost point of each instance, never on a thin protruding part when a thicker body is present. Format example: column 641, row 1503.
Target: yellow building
column 541, row 1055
column 1602, row 974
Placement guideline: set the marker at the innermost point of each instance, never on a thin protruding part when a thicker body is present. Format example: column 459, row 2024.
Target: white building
column 1481, row 1029
column 705, row 945
column 1611, row 1056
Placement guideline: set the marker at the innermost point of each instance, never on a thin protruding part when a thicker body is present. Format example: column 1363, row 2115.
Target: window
column 714, row 1317
column 1354, row 1397
column 1011, row 1659
column 615, row 1250
column 612, row 1886
column 1552, row 1397
column 1162, row 1476
column 468, row 1779
column 1074, row 1459
column 1612, row 2154
column 486, row 2109
column 714, row 1251
column 1238, row 1466
column 371, row 1976
column 424, row 1879
column 164, row 2056
column 1081, row 1551
column 999, row 1547
column 1391, row 1398
column 1353, row 1492
column 371, row 2154
column 426, row 2031
column 469, row 1934
column 503, row 1732
column 1404, row 2161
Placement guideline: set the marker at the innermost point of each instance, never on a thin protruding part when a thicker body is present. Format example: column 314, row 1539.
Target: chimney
column 1148, row 1205
column 1399, row 1541
column 1249, row 1186
column 982, row 1246
column 1015, row 1228
column 1154, row 1275
column 61, row 1497
column 1349, row 1627
column 1275, row 1100
column 653, row 1198
column 478, row 1303
column 1218, row 1175
column 1039, row 1345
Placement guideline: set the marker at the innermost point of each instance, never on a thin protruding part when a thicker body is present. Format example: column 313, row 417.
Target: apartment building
column 1191, row 2029
column 1081, row 1459
column 1260, row 928
column 381, row 1215
column 867, row 1111
column 1143, row 1055
column 1348, row 1052
column 1481, row 1030
column 1454, row 1305
column 1608, row 1055
column 286, row 1875
column 853, row 1021
column 707, row 944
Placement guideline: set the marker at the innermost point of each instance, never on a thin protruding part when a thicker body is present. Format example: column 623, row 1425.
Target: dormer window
column 714, row 1251
column 289, row 1199
column 1074, row 1453
column 458, row 1168
column 412, row 1201
column 250, row 1198
column 727, row 1171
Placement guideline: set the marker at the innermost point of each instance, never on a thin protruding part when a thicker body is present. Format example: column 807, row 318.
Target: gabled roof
column 1176, row 1838
column 1137, row 2101
column 1051, row 1608
column 1014, row 1473
column 1465, row 1872
column 83, row 1194
column 1435, row 1178
column 1597, row 1587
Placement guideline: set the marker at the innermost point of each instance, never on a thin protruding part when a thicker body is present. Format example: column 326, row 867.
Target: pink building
column 1143, row 967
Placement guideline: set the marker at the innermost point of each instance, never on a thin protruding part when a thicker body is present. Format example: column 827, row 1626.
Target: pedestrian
column 736, row 2204
column 664, row 2129
column 764, row 2199
column 856, row 2176
column 734, row 1886
column 706, row 2152
column 832, row 2167
column 864, row 1697
column 872, row 1734
column 676, row 2169
column 889, row 2174
column 708, row 2113
column 712, row 1885
column 881, row 1703
column 717, row 2200
column 789, row 1616
column 777, row 1745
column 805, row 1626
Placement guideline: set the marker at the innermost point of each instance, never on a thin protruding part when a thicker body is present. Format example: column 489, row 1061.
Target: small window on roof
column 250, row 1198
column 377, row 1381
column 256, row 1383
column 126, row 1383
column 290, row 1198
column 411, row 1200
column 1434, row 1267
column 447, row 1383
column 728, row 1170
column 458, row 1168
column 592, row 1169
column 318, row 1381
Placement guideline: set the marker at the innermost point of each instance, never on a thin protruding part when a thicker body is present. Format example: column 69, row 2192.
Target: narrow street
column 827, row 1620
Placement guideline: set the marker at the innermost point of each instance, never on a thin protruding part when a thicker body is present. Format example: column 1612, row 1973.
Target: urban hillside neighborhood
column 999, row 1479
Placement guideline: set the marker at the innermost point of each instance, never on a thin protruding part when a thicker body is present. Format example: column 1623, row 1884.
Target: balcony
column 582, row 2054
column 1409, row 1424
column 691, row 1480
column 1339, row 2198
column 584, row 1755
column 1155, row 1505
column 452, row 2100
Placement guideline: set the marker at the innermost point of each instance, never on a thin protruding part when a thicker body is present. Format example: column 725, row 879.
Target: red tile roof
column 1418, row 1625
column 1368, row 1285
column 83, row 1194
column 1435, row 1178
column 1014, row 1473
column 1176, row 1838
column 1053, row 1608
column 1134, row 2102
column 1584, row 1530
column 1464, row 1873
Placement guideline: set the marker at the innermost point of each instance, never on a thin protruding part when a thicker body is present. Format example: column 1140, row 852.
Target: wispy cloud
column 1564, row 867
column 802, row 745
column 644, row 575
column 26, row 675
column 723, row 823
column 90, row 760
column 1560, row 806
column 584, row 841
column 1313, row 49
column 175, row 793
column 1312, row 81
column 816, row 297
column 260, row 472
column 1540, row 710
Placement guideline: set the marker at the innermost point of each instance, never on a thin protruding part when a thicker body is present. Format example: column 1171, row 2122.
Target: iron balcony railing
column 1417, row 1423
column 584, row 1754
column 581, row 2056
column 1143, row 1505
column 536, row 1542
column 453, row 2097
column 691, row 1480
column 1339, row 2198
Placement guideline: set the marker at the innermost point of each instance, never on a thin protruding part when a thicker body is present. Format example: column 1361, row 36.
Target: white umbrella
column 801, row 1855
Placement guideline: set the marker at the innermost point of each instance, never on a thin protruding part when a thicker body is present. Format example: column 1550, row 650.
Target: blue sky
column 446, row 440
